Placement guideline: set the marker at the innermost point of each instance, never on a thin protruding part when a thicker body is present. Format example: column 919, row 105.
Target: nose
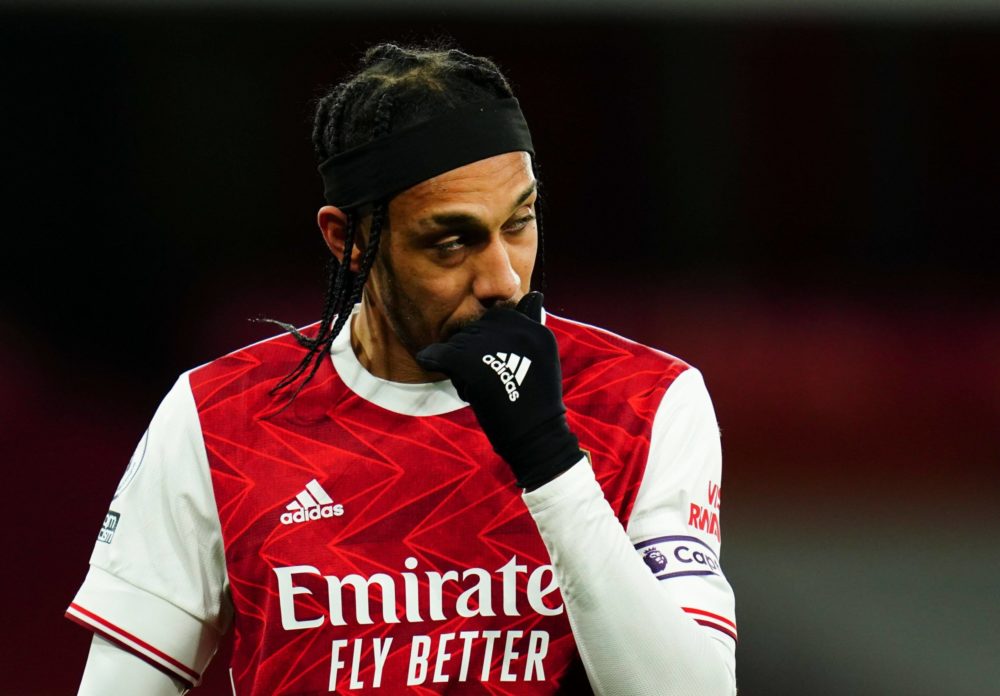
column 495, row 278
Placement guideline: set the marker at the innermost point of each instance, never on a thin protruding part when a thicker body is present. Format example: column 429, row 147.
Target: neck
column 379, row 350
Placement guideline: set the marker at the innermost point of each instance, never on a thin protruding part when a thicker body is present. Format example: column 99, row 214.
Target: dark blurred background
column 802, row 203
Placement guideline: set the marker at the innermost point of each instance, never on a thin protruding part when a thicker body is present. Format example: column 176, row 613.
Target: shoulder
column 251, row 371
column 583, row 347
column 611, row 377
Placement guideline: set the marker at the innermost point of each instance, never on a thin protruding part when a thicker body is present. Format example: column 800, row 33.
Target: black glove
column 506, row 365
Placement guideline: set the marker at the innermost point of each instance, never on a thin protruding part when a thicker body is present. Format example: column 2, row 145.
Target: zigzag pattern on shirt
column 428, row 488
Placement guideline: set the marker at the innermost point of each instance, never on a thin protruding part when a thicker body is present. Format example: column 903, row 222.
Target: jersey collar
column 423, row 399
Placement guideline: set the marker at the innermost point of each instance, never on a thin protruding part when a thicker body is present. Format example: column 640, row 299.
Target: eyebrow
column 457, row 219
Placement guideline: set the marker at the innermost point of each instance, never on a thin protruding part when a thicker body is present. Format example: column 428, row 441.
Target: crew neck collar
column 418, row 399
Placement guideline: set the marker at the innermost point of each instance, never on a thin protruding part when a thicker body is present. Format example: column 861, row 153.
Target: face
column 456, row 245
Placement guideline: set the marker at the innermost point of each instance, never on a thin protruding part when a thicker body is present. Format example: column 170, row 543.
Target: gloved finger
column 531, row 305
column 462, row 338
column 435, row 357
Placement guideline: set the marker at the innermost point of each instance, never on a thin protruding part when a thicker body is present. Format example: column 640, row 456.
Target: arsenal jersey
column 367, row 539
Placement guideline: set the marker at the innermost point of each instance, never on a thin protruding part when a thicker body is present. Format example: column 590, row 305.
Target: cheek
column 522, row 260
column 433, row 293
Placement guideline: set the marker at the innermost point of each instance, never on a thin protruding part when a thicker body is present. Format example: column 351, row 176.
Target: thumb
column 531, row 305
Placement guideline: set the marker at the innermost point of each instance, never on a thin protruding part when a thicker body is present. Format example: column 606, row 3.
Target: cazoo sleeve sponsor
column 678, row 556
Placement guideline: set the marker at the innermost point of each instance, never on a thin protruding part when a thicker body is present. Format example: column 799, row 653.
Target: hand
column 506, row 365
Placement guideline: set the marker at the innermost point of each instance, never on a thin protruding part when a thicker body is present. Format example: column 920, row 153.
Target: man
column 438, row 488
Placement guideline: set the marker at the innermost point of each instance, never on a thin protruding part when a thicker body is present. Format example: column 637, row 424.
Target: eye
column 448, row 246
column 520, row 223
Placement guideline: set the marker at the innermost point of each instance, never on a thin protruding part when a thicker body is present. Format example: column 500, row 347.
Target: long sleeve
column 641, row 632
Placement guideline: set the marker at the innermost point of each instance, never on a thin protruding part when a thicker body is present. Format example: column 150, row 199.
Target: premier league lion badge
column 654, row 559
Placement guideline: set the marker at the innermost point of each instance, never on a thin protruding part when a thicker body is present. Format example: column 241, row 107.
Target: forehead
column 487, row 189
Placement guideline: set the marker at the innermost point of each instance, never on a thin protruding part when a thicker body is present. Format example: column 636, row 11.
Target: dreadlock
column 394, row 88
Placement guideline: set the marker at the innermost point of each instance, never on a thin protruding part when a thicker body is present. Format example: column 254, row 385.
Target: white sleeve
column 112, row 670
column 157, row 583
column 675, row 519
column 634, row 628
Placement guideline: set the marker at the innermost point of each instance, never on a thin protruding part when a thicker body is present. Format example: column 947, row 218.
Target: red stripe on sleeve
column 185, row 671
column 723, row 619
column 717, row 627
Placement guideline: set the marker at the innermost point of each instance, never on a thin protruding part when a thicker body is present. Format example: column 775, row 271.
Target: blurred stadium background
column 802, row 199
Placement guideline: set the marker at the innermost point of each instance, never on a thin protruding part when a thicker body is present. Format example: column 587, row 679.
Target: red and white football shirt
column 367, row 538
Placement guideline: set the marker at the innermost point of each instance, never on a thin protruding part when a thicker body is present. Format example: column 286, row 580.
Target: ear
column 332, row 223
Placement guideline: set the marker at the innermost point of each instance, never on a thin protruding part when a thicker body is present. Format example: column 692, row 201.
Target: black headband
column 383, row 167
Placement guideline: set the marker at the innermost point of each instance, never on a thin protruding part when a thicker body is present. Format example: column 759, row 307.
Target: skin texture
column 453, row 246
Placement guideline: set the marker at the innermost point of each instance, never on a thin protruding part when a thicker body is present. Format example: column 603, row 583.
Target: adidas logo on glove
column 511, row 369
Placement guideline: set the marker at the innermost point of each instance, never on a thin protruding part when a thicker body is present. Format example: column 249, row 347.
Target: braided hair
column 394, row 88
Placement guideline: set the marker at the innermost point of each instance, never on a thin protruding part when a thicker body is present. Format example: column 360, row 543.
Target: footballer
column 439, row 487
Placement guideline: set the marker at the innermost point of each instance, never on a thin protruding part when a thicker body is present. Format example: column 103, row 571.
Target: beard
column 403, row 312
column 407, row 320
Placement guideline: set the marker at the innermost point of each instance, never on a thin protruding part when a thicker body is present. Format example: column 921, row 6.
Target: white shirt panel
column 158, row 582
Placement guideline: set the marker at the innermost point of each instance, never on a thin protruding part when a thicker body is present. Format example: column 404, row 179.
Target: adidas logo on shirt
column 511, row 368
column 312, row 503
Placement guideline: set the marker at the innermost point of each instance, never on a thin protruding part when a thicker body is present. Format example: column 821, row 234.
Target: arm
column 112, row 670
column 632, row 634
column 630, row 625
column 157, row 585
